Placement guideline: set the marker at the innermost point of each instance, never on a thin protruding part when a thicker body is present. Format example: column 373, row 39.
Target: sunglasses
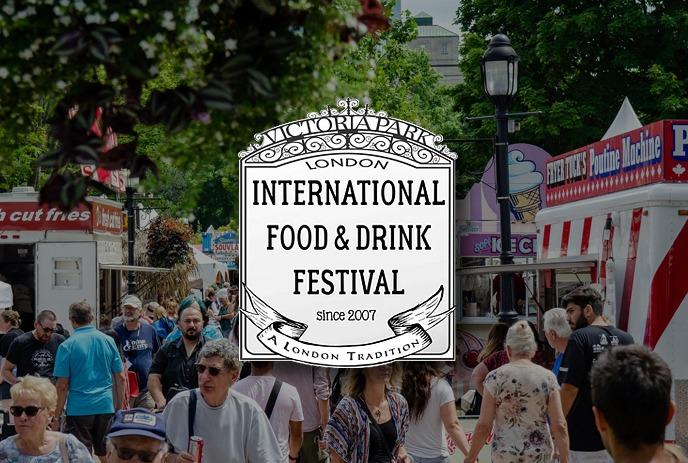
column 47, row 330
column 214, row 371
column 30, row 411
column 128, row 454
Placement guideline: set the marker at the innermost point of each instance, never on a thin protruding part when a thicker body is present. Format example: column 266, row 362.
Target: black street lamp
column 499, row 68
column 132, row 183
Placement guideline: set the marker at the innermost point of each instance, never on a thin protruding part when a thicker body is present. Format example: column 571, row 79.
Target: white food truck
column 617, row 217
column 53, row 258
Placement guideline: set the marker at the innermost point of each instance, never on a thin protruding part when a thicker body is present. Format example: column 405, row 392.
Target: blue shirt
column 138, row 347
column 557, row 364
column 88, row 359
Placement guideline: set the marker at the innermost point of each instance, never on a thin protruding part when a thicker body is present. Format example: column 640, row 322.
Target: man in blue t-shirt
column 84, row 367
column 139, row 342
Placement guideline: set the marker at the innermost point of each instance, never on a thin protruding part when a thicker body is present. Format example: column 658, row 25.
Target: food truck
column 617, row 217
column 52, row 258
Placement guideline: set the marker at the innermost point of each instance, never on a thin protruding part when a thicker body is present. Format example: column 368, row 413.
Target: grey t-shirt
column 238, row 431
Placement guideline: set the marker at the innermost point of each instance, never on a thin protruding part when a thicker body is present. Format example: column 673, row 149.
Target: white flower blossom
column 215, row 8
column 168, row 21
column 148, row 48
column 114, row 17
column 8, row 9
column 94, row 18
column 79, row 5
column 64, row 3
column 26, row 54
column 4, row 73
column 16, row 78
column 371, row 74
column 60, row 84
column 63, row 60
column 159, row 38
column 66, row 20
column 188, row 62
column 332, row 85
column 210, row 35
column 37, row 71
column 143, row 2
column 26, row 77
column 230, row 44
column 153, row 70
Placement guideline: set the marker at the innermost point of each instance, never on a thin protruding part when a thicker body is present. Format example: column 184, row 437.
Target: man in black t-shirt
column 591, row 337
column 33, row 353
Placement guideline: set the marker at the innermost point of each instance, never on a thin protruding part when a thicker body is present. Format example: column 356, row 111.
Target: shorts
column 601, row 456
column 417, row 459
column 90, row 430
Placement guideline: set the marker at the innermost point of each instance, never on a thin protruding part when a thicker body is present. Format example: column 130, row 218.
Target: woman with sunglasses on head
column 9, row 330
column 33, row 407
column 369, row 424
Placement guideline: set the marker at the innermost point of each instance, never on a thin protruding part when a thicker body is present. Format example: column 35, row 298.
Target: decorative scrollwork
column 312, row 136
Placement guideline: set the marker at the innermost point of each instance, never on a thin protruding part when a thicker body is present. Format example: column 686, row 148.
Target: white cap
column 6, row 297
column 131, row 300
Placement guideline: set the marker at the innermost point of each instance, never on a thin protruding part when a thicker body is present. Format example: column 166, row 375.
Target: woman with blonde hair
column 166, row 318
column 519, row 400
column 370, row 422
column 33, row 406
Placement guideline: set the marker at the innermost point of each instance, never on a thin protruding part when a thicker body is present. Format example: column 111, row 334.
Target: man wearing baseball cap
column 137, row 435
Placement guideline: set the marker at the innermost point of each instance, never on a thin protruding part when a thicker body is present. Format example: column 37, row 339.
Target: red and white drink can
column 196, row 448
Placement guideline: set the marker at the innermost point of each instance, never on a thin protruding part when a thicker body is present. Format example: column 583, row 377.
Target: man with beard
column 139, row 342
column 591, row 337
column 174, row 365
column 34, row 353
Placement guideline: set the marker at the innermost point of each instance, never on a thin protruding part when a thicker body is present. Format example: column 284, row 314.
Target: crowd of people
column 142, row 385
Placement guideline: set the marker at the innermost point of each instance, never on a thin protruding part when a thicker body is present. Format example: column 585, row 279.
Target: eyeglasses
column 214, row 371
column 47, row 330
column 128, row 454
column 30, row 411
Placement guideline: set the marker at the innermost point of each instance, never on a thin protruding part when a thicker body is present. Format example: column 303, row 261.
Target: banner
column 656, row 152
column 347, row 219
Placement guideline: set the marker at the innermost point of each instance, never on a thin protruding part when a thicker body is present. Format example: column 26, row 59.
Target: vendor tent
column 208, row 268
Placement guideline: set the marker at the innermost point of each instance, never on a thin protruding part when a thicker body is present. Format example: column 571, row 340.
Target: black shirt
column 382, row 437
column 175, row 367
column 584, row 347
column 7, row 339
column 33, row 357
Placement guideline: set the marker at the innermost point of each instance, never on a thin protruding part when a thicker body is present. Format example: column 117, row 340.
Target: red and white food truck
column 617, row 217
column 53, row 258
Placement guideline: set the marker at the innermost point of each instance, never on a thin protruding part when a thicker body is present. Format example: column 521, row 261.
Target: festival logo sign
column 346, row 241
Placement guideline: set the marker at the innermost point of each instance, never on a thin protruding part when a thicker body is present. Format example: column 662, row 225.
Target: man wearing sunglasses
column 33, row 353
column 137, row 435
column 234, row 428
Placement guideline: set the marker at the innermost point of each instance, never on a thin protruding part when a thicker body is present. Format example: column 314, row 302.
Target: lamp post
column 132, row 183
column 499, row 68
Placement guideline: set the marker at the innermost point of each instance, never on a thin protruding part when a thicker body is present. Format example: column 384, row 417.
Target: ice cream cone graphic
column 524, row 187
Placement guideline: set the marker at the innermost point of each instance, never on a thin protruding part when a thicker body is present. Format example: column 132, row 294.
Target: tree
column 578, row 61
column 239, row 59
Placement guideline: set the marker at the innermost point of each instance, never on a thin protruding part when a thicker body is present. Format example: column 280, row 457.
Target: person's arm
column 62, row 391
column 478, row 377
column 557, row 424
column 295, row 438
column 451, row 423
column 120, row 383
column 334, row 458
column 7, row 374
column 568, row 393
column 157, row 369
column 321, row 387
column 155, row 388
column 183, row 457
column 403, row 456
column 482, row 427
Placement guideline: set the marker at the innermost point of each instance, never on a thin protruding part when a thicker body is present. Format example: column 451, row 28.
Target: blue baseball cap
column 138, row 422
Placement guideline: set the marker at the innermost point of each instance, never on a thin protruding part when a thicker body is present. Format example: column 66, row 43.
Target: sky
column 443, row 12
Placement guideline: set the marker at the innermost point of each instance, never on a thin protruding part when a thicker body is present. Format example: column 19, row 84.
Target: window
column 67, row 273
column 445, row 48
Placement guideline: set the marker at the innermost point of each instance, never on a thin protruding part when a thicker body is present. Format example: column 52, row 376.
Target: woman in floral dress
column 520, row 397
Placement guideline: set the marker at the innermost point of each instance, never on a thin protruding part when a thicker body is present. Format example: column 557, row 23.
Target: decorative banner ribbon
column 281, row 335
